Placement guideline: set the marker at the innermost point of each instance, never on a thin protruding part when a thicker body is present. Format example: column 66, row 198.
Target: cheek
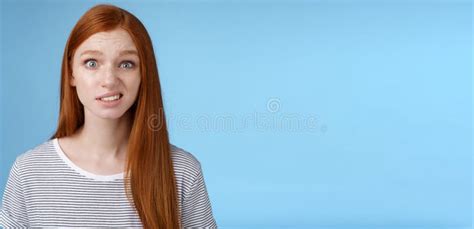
column 134, row 83
column 84, row 86
column 82, row 93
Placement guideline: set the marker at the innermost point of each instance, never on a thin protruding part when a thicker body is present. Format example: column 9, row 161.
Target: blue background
column 303, row 114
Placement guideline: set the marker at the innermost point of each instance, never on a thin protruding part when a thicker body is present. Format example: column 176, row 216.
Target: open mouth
column 111, row 98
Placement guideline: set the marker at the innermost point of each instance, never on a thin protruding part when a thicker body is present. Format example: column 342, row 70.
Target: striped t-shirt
column 46, row 189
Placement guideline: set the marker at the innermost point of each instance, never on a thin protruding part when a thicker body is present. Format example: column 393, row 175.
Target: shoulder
column 34, row 156
column 182, row 158
column 184, row 162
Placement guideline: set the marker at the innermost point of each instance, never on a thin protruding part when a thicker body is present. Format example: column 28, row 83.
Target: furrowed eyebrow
column 92, row 52
column 128, row 52
column 99, row 53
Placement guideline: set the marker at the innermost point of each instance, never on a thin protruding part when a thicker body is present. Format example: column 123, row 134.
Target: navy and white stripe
column 46, row 189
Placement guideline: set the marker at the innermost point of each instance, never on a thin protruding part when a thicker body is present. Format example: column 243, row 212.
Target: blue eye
column 127, row 64
column 91, row 63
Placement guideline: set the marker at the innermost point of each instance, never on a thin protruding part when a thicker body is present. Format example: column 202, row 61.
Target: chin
column 107, row 113
column 110, row 114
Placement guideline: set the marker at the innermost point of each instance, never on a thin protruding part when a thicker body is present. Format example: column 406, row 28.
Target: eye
column 90, row 63
column 127, row 64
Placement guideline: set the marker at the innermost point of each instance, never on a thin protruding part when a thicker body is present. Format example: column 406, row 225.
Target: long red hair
column 149, row 178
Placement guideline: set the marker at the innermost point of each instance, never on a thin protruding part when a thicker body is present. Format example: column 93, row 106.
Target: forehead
column 110, row 42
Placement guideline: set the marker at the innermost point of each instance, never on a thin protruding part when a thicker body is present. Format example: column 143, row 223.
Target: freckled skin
column 106, row 72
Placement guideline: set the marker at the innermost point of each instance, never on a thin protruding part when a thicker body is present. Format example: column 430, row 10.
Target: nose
column 109, row 79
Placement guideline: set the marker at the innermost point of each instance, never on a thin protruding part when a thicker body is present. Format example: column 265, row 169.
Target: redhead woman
column 110, row 162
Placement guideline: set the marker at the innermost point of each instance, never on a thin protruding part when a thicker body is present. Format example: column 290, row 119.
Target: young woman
column 110, row 163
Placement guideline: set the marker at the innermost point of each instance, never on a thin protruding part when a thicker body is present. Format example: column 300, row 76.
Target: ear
column 72, row 82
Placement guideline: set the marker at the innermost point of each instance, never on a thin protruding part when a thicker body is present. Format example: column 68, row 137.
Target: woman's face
column 106, row 74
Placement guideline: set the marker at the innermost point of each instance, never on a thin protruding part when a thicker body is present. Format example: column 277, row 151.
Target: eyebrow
column 122, row 53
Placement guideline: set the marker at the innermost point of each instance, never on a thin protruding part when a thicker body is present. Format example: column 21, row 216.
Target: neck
column 105, row 138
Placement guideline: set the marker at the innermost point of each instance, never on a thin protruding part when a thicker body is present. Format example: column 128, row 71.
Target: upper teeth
column 110, row 98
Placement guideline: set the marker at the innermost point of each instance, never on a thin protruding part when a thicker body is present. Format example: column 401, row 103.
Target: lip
column 110, row 104
column 108, row 94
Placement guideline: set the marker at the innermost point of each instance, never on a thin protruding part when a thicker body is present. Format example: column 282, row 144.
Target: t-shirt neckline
column 83, row 172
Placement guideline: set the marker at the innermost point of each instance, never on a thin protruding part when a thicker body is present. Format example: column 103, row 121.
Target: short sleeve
column 13, row 210
column 197, row 210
